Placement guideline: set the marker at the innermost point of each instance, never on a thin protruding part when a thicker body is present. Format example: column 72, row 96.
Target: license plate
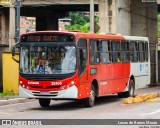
column 44, row 93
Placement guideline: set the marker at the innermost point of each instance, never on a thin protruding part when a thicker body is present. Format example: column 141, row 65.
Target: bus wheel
column 44, row 102
column 89, row 102
column 131, row 88
column 130, row 92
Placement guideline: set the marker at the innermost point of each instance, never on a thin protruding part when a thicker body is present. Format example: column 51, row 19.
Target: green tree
column 79, row 21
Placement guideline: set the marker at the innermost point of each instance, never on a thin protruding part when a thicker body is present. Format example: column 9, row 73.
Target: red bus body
column 112, row 78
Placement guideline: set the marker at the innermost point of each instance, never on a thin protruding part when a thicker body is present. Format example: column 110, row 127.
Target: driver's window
column 82, row 55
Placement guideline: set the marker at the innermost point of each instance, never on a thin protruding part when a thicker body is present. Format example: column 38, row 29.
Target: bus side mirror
column 13, row 51
column 13, row 54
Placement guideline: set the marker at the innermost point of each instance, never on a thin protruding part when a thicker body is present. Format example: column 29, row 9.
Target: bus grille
column 36, row 93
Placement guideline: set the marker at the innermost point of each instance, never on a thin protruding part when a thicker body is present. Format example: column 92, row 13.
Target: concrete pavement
column 6, row 100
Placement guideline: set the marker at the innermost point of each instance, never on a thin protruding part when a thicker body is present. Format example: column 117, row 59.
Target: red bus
column 62, row 65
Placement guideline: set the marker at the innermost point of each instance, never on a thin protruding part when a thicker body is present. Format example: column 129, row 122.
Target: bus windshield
column 55, row 59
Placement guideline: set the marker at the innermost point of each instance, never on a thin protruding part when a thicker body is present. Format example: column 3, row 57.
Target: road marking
column 158, row 111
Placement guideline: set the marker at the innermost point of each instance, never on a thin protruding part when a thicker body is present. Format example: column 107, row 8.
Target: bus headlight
column 72, row 82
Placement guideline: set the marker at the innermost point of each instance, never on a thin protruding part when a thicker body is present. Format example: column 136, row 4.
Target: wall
column 113, row 17
column 10, row 73
column 122, row 17
column 5, row 38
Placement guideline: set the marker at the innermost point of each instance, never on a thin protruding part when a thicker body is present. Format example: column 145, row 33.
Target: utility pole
column 91, row 15
column 17, row 7
column 156, row 63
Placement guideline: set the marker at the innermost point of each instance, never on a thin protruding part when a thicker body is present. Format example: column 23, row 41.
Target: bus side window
column 125, row 51
column 146, row 51
column 105, row 52
column 141, row 52
column 82, row 55
column 133, row 51
column 116, row 56
column 94, row 52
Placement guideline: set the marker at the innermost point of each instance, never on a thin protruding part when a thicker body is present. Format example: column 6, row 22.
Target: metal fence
column 4, row 38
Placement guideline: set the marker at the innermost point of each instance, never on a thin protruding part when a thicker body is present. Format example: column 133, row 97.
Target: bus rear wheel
column 89, row 102
column 44, row 102
column 131, row 87
column 130, row 91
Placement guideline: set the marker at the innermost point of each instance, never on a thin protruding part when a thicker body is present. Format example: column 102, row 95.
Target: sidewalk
column 148, row 89
column 6, row 100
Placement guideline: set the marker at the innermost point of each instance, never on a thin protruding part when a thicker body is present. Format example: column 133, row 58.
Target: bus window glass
column 141, row 52
column 56, row 59
column 116, row 57
column 105, row 53
column 125, row 51
column 82, row 55
column 94, row 52
column 133, row 51
column 146, row 51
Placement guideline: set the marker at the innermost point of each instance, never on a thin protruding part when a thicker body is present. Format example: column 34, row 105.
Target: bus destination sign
column 47, row 38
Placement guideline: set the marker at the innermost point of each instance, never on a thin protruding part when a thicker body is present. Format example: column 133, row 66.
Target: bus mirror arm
column 13, row 51
column 13, row 54
column 15, row 59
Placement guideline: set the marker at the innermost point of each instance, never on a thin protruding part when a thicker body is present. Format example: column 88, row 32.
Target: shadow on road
column 75, row 105
column 107, row 99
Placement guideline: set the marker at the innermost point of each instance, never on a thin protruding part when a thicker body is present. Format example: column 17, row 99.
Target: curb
column 14, row 101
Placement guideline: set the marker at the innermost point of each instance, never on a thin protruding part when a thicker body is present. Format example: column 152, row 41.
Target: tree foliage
column 79, row 21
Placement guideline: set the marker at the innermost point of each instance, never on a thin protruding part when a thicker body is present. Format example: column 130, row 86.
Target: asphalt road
column 109, row 107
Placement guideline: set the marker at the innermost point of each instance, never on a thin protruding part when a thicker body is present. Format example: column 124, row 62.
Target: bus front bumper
column 70, row 93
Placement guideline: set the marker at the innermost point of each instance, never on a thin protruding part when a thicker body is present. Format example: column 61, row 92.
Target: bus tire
column 131, row 88
column 130, row 92
column 44, row 102
column 89, row 102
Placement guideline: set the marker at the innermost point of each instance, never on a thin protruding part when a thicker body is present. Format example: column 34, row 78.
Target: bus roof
column 92, row 35
column 139, row 38
column 79, row 34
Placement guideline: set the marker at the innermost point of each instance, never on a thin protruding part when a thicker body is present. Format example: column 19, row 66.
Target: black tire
column 44, row 102
column 130, row 91
column 131, row 88
column 89, row 102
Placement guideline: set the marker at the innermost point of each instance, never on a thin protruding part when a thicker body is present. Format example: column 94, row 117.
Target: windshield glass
column 48, row 60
